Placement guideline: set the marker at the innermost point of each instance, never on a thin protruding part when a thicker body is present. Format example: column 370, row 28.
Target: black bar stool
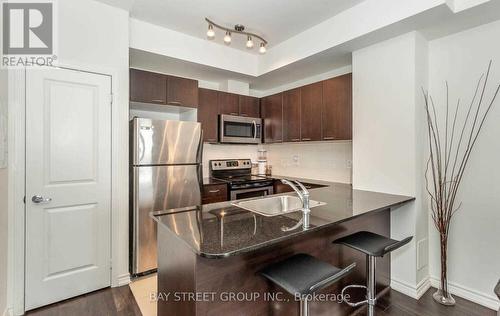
column 302, row 275
column 373, row 245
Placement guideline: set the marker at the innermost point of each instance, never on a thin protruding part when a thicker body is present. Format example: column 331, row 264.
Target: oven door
column 251, row 193
column 238, row 129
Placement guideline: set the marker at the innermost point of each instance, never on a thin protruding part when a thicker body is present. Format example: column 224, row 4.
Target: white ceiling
column 432, row 24
column 275, row 20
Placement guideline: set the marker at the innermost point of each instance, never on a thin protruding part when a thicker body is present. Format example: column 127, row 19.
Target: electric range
column 237, row 173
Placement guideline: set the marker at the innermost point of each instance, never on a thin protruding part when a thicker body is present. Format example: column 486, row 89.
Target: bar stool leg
column 304, row 307
column 370, row 284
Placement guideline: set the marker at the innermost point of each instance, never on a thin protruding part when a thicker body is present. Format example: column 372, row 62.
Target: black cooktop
column 241, row 178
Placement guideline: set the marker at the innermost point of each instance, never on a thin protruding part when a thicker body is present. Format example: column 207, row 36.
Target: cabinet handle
column 175, row 102
column 243, row 114
column 295, row 139
column 214, row 191
column 157, row 100
column 328, row 138
column 306, row 139
column 232, row 113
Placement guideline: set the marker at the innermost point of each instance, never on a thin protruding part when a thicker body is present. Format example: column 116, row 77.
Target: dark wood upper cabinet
column 337, row 108
column 182, row 91
column 228, row 103
column 272, row 114
column 148, row 87
column 249, row 106
column 291, row 115
column 311, row 104
column 208, row 111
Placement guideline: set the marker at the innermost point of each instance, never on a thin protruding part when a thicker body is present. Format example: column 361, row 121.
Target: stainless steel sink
column 276, row 205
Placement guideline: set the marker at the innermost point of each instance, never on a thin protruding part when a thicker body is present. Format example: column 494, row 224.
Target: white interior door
column 68, row 184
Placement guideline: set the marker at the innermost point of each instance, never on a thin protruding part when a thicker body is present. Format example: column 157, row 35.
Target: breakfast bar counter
column 214, row 251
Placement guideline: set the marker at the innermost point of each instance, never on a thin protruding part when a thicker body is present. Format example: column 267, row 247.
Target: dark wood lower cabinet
column 213, row 193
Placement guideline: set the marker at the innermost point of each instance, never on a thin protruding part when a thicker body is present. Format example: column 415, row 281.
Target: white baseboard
column 121, row 280
column 480, row 298
column 410, row 290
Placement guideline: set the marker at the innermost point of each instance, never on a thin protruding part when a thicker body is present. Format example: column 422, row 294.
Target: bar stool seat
column 373, row 246
column 303, row 274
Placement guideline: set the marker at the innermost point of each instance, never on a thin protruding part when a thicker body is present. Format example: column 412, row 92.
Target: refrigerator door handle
column 199, row 155
column 199, row 159
column 142, row 148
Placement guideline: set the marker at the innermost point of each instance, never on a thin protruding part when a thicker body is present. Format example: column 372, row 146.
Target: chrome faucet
column 303, row 194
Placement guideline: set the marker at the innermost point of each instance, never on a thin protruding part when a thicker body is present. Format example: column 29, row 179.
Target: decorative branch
column 447, row 164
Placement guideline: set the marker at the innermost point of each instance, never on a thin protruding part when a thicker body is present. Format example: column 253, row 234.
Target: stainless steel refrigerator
column 165, row 173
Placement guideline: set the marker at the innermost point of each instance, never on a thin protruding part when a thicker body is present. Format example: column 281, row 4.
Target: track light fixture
column 238, row 29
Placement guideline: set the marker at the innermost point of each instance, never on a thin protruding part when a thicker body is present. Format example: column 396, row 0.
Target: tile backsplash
column 330, row 161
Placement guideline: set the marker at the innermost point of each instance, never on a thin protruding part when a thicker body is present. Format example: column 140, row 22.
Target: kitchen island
column 209, row 255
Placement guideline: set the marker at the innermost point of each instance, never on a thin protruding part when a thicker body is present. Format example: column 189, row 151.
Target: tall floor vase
column 443, row 295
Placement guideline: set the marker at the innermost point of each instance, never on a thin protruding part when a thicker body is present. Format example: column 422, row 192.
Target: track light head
column 227, row 38
column 262, row 48
column 211, row 32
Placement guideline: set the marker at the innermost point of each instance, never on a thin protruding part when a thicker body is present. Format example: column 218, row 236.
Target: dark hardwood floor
column 109, row 301
column 120, row 301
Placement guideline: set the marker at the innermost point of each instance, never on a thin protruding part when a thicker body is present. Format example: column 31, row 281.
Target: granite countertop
column 220, row 230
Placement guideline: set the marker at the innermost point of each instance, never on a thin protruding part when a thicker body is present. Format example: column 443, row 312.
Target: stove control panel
column 230, row 164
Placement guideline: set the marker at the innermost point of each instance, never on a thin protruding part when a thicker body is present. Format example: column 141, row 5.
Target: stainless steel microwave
column 240, row 130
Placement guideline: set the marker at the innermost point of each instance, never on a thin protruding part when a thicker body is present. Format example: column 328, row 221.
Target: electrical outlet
column 349, row 163
column 295, row 159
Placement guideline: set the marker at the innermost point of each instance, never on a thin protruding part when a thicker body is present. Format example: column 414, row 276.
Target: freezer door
column 158, row 188
column 156, row 142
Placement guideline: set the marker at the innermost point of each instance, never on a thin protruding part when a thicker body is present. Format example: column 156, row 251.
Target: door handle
column 254, row 130
column 38, row 199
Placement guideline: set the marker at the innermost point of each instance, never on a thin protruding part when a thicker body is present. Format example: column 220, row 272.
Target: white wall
column 474, row 251
column 329, row 161
column 386, row 145
column 3, row 200
column 95, row 35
